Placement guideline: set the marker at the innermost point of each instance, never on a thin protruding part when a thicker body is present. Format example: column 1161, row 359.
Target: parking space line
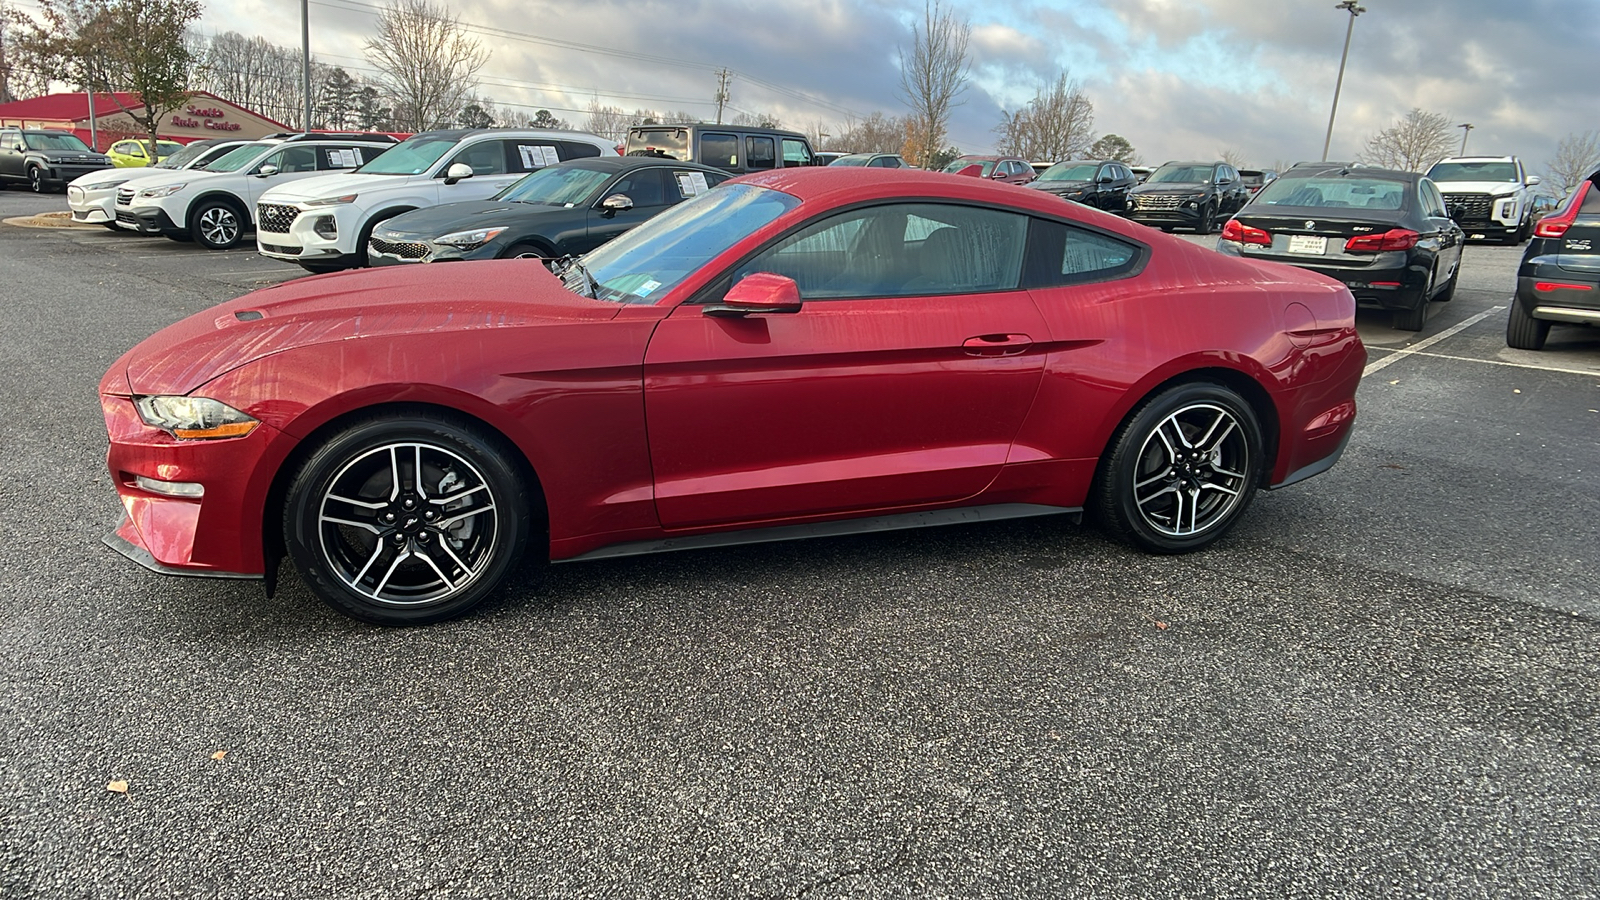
column 1452, row 331
column 1515, row 365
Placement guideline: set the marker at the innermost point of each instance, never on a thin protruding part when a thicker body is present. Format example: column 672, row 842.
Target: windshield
column 1474, row 171
column 412, row 156
column 44, row 140
column 671, row 143
column 237, row 158
column 1335, row 191
column 1070, row 172
column 555, row 186
column 1181, row 175
column 857, row 160
column 647, row 262
column 181, row 156
column 958, row 165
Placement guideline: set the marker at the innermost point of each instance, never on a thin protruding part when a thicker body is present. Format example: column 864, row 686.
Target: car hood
column 439, row 220
column 334, row 186
column 1173, row 187
column 1477, row 187
column 366, row 305
column 1060, row 185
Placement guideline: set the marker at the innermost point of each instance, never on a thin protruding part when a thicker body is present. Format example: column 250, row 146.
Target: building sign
column 214, row 119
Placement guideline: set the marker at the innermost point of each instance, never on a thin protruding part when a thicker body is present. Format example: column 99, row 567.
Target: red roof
column 67, row 107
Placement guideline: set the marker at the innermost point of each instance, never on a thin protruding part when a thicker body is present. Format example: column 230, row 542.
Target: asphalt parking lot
column 1381, row 685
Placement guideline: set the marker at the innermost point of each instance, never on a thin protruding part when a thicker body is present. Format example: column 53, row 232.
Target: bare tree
column 428, row 61
column 1232, row 157
column 265, row 77
column 877, row 133
column 1058, row 123
column 933, row 75
column 1576, row 156
column 1413, row 143
column 757, row 120
column 608, row 122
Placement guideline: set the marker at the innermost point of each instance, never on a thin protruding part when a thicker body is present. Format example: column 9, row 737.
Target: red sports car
column 796, row 353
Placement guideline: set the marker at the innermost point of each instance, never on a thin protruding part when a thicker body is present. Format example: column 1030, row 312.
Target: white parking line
column 1452, row 331
column 1592, row 373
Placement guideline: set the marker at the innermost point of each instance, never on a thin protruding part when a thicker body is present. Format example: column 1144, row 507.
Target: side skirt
column 896, row 522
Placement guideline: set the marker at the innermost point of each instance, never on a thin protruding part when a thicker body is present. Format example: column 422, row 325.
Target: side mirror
column 1104, row 179
column 616, row 203
column 457, row 172
column 1533, row 181
column 762, row 292
column 266, row 171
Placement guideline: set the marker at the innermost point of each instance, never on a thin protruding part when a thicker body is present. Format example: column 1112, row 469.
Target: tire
column 375, row 544
column 217, row 225
column 1193, row 450
column 527, row 250
column 1449, row 292
column 361, row 261
column 1524, row 332
column 1412, row 319
column 1206, row 217
column 35, row 180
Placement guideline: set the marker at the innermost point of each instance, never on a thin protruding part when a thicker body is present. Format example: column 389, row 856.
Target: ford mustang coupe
column 796, row 353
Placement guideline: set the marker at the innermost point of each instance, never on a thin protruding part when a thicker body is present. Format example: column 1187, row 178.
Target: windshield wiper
column 569, row 264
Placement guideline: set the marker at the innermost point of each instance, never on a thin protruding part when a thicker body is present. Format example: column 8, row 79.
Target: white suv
column 1488, row 196
column 324, row 223
column 92, row 197
column 213, row 206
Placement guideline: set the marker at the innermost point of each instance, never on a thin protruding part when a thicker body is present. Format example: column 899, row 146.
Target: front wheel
column 404, row 520
column 1182, row 470
column 1206, row 215
column 36, row 180
column 216, row 225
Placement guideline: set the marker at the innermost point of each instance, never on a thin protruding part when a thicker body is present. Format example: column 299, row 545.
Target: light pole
column 1354, row 10
column 305, row 62
column 1465, row 128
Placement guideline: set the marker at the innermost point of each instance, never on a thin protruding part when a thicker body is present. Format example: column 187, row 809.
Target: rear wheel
column 1182, row 470
column 1412, row 319
column 406, row 520
column 1449, row 292
column 1524, row 332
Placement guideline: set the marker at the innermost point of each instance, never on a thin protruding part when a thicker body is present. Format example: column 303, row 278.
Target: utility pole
column 305, row 61
column 722, row 91
column 1466, row 128
column 1354, row 10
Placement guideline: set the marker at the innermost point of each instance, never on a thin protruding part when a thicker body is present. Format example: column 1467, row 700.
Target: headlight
column 105, row 185
column 333, row 201
column 465, row 239
column 166, row 190
column 194, row 418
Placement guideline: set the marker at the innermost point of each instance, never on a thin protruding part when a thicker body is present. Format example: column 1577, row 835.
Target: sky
column 1177, row 78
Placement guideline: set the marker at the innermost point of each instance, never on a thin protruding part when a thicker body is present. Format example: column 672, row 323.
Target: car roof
column 1192, row 162
column 1308, row 170
column 626, row 163
column 844, row 184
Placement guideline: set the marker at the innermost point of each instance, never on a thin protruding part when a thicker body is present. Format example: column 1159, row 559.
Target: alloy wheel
column 219, row 226
column 1192, row 471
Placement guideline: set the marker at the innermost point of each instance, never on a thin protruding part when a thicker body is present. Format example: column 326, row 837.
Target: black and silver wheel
column 216, row 225
column 403, row 521
column 1182, row 470
column 35, row 180
column 1524, row 332
column 530, row 251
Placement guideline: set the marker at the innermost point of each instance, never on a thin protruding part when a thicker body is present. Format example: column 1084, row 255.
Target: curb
column 49, row 220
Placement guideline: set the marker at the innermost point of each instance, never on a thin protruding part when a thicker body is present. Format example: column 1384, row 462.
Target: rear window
column 1335, row 192
column 668, row 143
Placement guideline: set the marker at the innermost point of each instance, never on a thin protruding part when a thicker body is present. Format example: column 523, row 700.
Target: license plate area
column 1310, row 245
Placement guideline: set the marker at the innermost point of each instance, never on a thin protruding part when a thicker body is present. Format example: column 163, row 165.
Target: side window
column 292, row 159
column 8, row 142
column 485, row 158
column 575, row 149
column 1070, row 255
column 1432, row 202
column 331, row 159
column 796, row 153
column 720, row 150
column 900, row 250
column 646, row 188
column 758, row 153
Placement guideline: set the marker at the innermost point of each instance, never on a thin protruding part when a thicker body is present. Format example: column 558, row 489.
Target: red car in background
column 1009, row 169
column 796, row 353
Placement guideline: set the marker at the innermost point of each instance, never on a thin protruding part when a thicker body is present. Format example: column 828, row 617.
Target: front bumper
column 146, row 220
column 1184, row 215
column 301, row 236
column 92, row 207
column 62, row 175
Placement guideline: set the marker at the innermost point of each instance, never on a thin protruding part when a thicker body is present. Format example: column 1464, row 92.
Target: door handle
column 996, row 344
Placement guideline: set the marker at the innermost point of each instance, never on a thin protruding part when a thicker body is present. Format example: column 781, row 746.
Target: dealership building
column 204, row 115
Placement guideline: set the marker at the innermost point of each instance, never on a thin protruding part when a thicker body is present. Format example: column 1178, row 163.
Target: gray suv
column 45, row 160
column 731, row 148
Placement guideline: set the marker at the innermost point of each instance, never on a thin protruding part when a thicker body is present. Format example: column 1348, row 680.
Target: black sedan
column 1385, row 235
column 1103, row 184
column 561, row 210
column 1559, row 280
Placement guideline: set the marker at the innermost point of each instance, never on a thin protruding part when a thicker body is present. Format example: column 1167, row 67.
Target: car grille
column 402, row 249
column 285, row 249
column 125, row 196
column 1468, row 206
column 276, row 217
column 128, row 218
column 1157, row 201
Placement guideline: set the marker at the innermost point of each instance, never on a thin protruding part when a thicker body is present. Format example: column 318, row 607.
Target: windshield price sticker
column 692, row 183
column 344, row 159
